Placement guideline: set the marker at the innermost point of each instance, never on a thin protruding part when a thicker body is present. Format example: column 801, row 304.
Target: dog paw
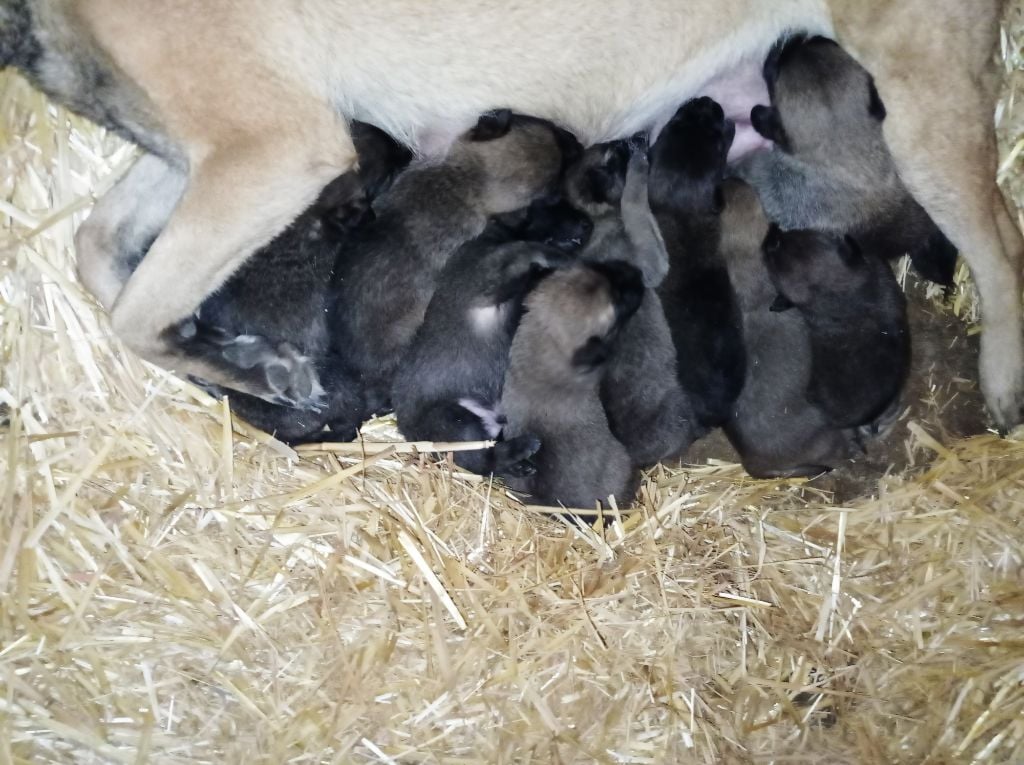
column 275, row 372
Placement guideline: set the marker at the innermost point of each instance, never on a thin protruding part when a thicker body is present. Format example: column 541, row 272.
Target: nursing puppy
column 448, row 387
column 274, row 307
column 856, row 317
column 687, row 167
column 831, row 169
column 387, row 274
column 776, row 430
column 647, row 410
column 552, row 387
column 241, row 138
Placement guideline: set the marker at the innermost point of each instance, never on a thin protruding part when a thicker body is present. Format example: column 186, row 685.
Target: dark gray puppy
column 552, row 389
column 388, row 272
column 449, row 385
column 688, row 163
column 856, row 316
column 647, row 409
column 831, row 169
column 776, row 430
column 279, row 299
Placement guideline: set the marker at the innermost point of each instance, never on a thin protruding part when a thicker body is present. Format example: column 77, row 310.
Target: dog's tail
column 18, row 45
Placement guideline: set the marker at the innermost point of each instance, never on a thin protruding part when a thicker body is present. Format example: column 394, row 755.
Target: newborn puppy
column 856, row 316
column 647, row 409
column 776, row 430
column 277, row 301
column 551, row 392
column 387, row 274
column 831, row 169
column 687, row 166
column 448, row 387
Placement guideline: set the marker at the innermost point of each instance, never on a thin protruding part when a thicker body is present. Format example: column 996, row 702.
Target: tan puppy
column 243, row 105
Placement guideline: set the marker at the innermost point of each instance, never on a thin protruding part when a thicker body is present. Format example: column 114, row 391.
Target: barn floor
column 176, row 588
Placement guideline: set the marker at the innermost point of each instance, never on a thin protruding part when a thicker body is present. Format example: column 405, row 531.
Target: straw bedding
column 177, row 588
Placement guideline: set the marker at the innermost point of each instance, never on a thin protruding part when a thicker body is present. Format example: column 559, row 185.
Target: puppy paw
column 514, row 458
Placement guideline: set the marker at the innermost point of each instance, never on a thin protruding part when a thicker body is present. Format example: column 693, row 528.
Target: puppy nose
column 773, row 241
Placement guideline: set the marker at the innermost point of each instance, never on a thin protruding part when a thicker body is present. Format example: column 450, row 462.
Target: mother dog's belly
column 604, row 70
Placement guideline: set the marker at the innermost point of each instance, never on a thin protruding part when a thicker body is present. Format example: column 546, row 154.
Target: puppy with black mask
column 688, row 163
column 647, row 409
column 448, row 387
column 856, row 316
column 387, row 274
column 552, row 389
column 831, row 169
column 277, row 302
column 776, row 430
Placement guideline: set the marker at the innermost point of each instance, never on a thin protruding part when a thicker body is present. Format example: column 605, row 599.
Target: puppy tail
column 18, row 44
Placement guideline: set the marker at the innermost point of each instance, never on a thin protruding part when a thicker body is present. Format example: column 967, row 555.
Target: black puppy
column 278, row 301
column 647, row 409
column 688, row 163
column 831, row 169
column 551, row 393
column 857, row 320
column 449, row 385
column 776, row 430
column 387, row 274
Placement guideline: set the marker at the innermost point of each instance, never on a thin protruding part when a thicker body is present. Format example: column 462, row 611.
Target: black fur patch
column 19, row 46
column 492, row 125
column 875, row 106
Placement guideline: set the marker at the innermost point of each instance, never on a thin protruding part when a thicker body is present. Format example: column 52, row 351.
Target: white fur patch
column 492, row 419
column 485, row 319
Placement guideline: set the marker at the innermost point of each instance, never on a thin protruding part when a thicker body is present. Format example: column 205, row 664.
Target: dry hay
column 176, row 588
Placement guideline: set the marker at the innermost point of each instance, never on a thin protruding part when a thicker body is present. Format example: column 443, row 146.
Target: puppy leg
column 951, row 172
column 115, row 236
column 236, row 200
column 641, row 227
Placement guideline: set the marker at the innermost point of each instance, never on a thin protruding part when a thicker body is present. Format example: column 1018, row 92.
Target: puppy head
column 521, row 158
column 346, row 202
column 596, row 181
column 689, row 157
column 551, row 221
column 806, row 265
column 820, row 95
column 579, row 310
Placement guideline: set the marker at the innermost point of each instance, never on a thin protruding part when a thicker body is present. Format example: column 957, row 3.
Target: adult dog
column 242, row 107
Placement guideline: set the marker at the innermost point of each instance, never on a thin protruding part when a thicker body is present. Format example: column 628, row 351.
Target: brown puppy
column 776, row 430
column 243, row 134
column 551, row 391
column 830, row 169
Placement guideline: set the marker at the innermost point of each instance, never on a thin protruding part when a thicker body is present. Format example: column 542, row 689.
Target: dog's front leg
column 115, row 236
column 236, row 200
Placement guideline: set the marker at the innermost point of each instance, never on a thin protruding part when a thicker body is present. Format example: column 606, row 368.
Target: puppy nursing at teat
column 574, row 276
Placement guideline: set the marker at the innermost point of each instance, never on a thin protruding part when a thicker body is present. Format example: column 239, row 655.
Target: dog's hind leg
column 951, row 170
column 236, row 200
column 935, row 85
column 124, row 222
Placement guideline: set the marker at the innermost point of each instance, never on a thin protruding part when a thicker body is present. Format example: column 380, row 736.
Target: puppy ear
column 591, row 354
column 767, row 121
column 492, row 125
column 773, row 239
column 781, row 304
column 718, row 200
column 875, row 106
column 626, row 283
column 850, row 251
column 381, row 157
